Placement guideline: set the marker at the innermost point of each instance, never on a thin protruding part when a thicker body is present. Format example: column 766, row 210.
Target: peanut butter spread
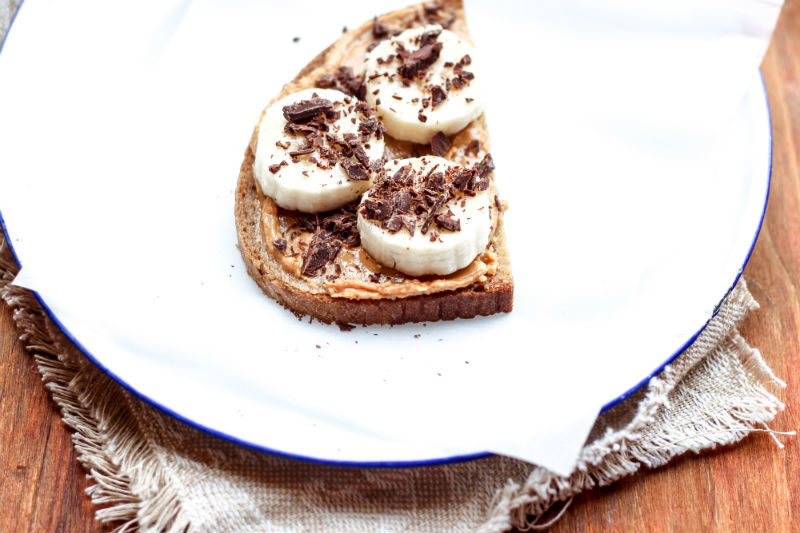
column 353, row 274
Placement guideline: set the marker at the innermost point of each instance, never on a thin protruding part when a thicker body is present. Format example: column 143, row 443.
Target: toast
column 353, row 288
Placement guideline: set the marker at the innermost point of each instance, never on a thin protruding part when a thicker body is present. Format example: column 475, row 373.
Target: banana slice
column 421, row 82
column 427, row 215
column 315, row 149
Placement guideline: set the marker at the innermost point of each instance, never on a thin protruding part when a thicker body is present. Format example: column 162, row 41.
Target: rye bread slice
column 494, row 295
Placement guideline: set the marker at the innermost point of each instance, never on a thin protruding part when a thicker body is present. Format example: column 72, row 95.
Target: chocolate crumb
column 345, row 326
column 295, row 39
column 440, row 144
column 422, row 118
column 417, row 336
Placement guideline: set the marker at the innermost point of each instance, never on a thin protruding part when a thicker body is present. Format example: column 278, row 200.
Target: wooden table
column 753, row 486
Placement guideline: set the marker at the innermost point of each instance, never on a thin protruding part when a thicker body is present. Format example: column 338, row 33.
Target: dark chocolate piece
column 448, row 221
column 379, row 209
column 304, row 151
column 437, row 95
column 419, row 60
column 379, row 30
column 354, row 170
column 322, row 249
column 440, row 144
column 280, row 244
column 305, row 110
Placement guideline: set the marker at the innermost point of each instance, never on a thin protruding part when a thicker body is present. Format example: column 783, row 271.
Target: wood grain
column 753, row 486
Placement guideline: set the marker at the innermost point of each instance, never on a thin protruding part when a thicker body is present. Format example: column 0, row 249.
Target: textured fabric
column 150, row 472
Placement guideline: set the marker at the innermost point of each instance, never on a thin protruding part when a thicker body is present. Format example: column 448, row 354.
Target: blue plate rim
column 390, row 464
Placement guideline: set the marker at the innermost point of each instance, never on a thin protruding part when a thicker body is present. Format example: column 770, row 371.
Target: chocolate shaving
column 419, row 60
column 440, row 201
column 462, row 177
column 448, row 222
column 305, row 110
column 485, row 166
column 280, row 244
column 343, row 79
column 369, row 126
column 361, row 155
column 379, row 31
column 277, row 166
column 322, row 249
column 354, row 170
column 437, row 95
column 377, row 165
column 401, row 175
column 398, row 220
column 304, row 151
column 379, row 209
column 440, row 144
column 459, row 82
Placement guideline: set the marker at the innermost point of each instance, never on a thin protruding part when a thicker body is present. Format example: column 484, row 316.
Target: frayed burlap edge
column 132, row 480
column 651, row 438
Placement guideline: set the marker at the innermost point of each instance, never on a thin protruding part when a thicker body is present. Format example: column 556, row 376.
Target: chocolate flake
column 345, row 80
column 304, row 151
column 422, row 118
column 280, row 244
column 437, row 95
column 440, row 144
column 354, row 170
column 379, row 209
column 416, row 62
column 322, row 249
column 379, row 30
column 462, row 177
column 306, row 110
column 485, row 166
column 277, row 166
column 448, row 222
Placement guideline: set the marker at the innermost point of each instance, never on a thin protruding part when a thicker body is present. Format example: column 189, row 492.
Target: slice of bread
column 490, row 294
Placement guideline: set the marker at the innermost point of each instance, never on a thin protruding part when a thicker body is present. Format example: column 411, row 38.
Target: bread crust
column 495, row 295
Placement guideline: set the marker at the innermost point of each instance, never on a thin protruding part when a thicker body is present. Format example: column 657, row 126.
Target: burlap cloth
column 151, row 472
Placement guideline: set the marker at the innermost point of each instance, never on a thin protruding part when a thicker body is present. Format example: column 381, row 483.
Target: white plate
column 124, row 226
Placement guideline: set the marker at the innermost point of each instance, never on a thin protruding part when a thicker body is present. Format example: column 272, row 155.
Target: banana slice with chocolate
column 427, row 215
column 421, row 82
column 316, row 149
